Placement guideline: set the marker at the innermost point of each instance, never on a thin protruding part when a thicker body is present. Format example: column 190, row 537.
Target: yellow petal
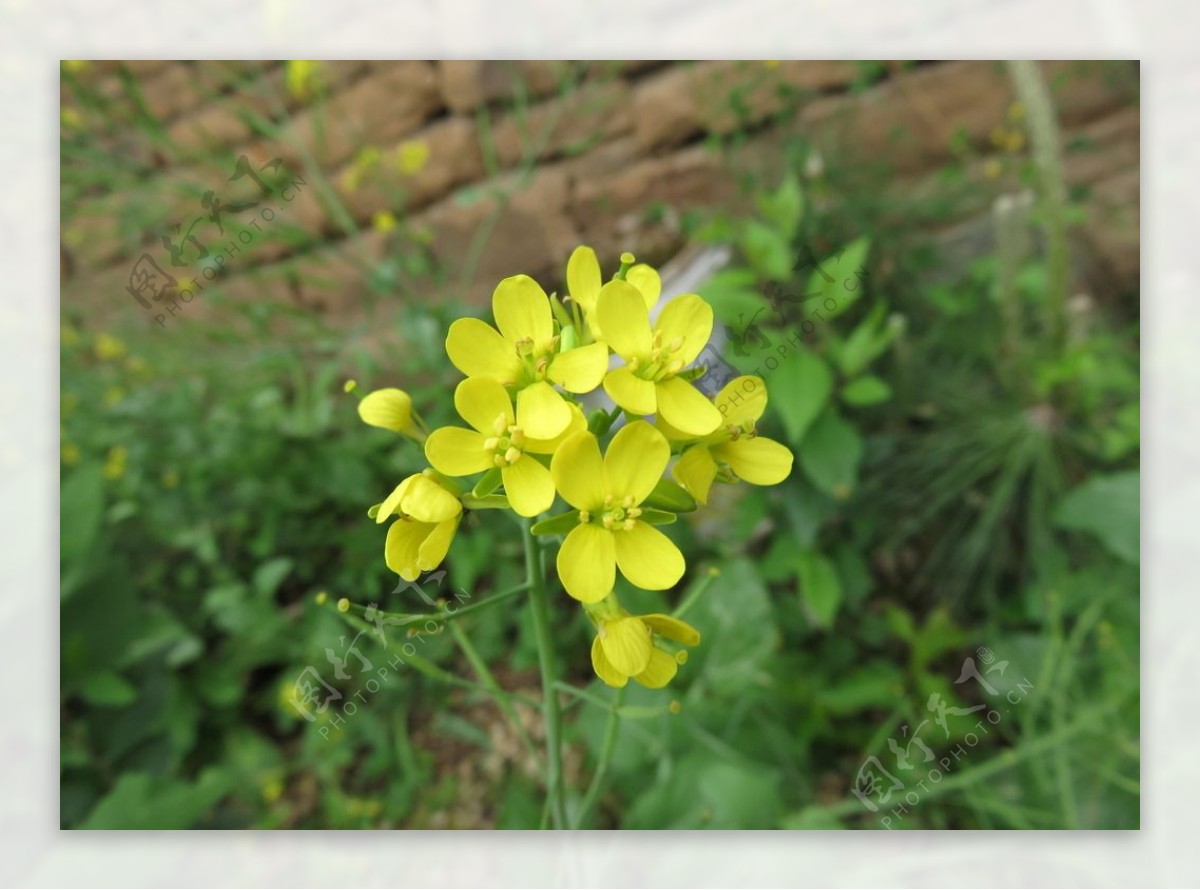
column 623, row 317
column 635, row 461
column 687, row 318
column 528, row 485
column 742, row 400
column 550, row 446
column 647, row 557
column 647, row 281
column 603, row 667
column 578, row 471
column 626, row 644
column 389, row 409
column 672, row 629
column 457, row 452
column 435, row 546
column 631, row 392
column 392, row 502
column 660, row 670
column 522, row 311
column 695, row 471
column 583, row 277
column 586, row 564
column 758, row 460
column 478, row 350
column 401, row 551
column 484, row 404
column 685, row 407
column 426, row 501
column 542, row 412
column 579, row 370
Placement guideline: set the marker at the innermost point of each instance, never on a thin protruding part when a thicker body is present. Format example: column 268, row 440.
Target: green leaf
column 732, row 293
column 140, row 801
column 81, row 507
column 1107, row 507
column 839, row 280
column 556, row 525
column 269, row 575
column 867, row 341
column 820, row 587
column 867, row 390
column 108, row 690
column 830, row 455
column 800, row 402
column 784, row 208
column 670, row 497
column 767, row 251
column 876, row 684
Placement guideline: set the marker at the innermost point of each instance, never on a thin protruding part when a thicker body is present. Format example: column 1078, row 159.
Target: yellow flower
column 524, row 356
column 625, row 647
column 648, row 382
column 607, row 493
column 108, row 347
column 383, row 221
column 411, row 156
column 992, row 168
column 391, row 409
column 76, row 65
column 70, row 118
column 302, row 77
column 498, row 439
column 735, row 450
column 584, row 283
column 70, row 454
column 114, row 463
column 428, row 518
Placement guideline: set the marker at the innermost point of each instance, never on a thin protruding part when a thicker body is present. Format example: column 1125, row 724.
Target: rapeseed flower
column 428, row 516
column 391, row 409
column 734, row 450
column 584, row 283
column 607, row 492
column 649, row 382
column 526, row 356
column 628, row 647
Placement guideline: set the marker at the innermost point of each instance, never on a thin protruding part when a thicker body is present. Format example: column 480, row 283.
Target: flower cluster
column 651, row 445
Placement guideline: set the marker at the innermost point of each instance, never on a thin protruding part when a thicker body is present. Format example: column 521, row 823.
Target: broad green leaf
column 801, row 400
column 733, row 293
column 108, row 690
column 874, row 685
column 838, row 281
column 820, row 587
column 767, row 252
column 269, row 575
column 1109, row 508
column 141, row 801
column 830, row 455
column 81, row 507
column 784, row 207
column 867, row 390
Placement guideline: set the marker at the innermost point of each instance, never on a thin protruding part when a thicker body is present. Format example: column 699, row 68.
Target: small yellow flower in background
column 498, row 439
column 113, row 396
column 1014, row 142
column 524, row 355
column 69, row 403
column 608, row 491
column 771, row 63
column 136, row 365
column 391, row 409
column 584, row 282
column 70, row 454
column 76, row 65
column 992, row 168
column 303, row 77
column 411, row 157
column 114, row 463
column 735, row 450
column 366, row 160
column 71, row 118
column 648, row 382
column 1016, row 111
column 272, row 791
column 68, row 336
column 108, row 347
column 383, row 221
column 170, row 479
column 625, row 648
column 419, row 539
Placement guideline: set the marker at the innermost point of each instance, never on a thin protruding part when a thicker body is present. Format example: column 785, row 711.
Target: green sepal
column 373, row 511
column 491, row 502
column 489, row 483
column 669, row 496
column 657, row 517
column 556, row 525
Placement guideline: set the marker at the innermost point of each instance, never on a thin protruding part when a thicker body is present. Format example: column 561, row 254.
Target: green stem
column 550, row 709
column 606, row 753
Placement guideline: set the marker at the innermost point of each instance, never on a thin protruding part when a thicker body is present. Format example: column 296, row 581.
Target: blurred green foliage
column 965, row 492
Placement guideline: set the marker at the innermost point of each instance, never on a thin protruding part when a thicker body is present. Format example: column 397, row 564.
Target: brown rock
column 569, row 125
column 466, row 85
